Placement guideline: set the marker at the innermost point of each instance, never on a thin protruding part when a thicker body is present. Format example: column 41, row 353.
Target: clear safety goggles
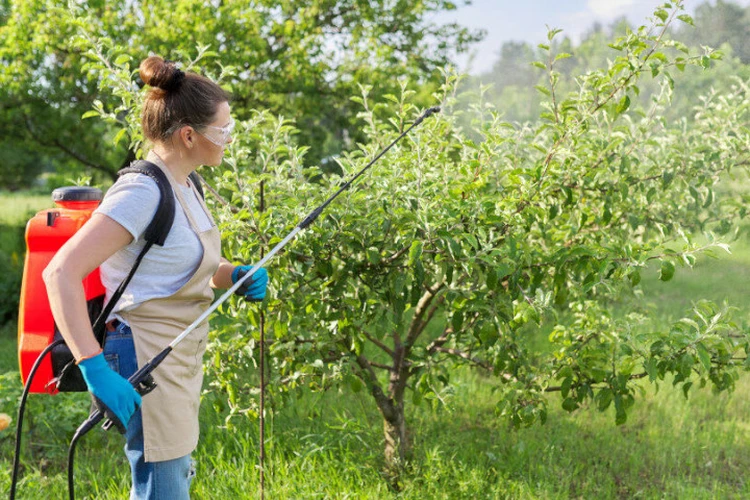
column 218, row 135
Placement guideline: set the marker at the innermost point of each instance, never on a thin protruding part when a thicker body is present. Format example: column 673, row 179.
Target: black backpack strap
column 160, row 225
column 155, row 234
column 196, row 180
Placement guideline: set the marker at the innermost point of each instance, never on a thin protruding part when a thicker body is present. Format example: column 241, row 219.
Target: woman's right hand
column 111, row 390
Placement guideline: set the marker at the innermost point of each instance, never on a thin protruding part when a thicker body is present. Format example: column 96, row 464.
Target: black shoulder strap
column 196, row 180
column 160, row 225
column 155, row 234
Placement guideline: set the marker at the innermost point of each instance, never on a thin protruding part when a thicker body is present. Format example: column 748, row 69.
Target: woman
column 187, row 119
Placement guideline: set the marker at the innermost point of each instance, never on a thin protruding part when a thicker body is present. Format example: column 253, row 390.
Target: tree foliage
column 510, row 83
column 718, row 23
column 292, row 57
column 456, row 250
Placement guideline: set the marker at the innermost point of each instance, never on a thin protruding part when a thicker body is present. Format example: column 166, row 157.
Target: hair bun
column 161, row 73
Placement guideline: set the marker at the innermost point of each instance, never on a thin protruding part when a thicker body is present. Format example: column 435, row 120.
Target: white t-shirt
column 132, row 202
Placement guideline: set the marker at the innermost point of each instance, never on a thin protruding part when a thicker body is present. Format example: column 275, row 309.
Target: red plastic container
column 46, row 232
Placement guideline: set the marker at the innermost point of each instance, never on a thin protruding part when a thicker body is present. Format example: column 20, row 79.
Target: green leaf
column 666, row 179
column 569, row 404
column 416, row 397
column 415, row 252
column 355, row 384
column 709, row 198
column 686, row 19
column 666, row 272
column 565, row 386
column 373, row 255
column 504, row 269
column 120, row 135
column 457, row 321
column 122, row 59
column 657, row 347
column 552, row 33
column 605, row 398
column 635, row 277
column 703, row 356
column 623, row 105
column 662, row 14
column 685, row 388
column 491, row 278
column 621, row 415
column 488, row 334
column 89, row 114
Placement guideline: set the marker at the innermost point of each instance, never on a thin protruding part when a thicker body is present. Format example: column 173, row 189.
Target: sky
column 527, row 20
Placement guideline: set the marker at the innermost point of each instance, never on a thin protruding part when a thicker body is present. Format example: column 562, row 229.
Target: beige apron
column 170, row 412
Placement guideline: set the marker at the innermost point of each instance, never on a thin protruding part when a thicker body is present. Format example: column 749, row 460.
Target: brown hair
column 176, row 99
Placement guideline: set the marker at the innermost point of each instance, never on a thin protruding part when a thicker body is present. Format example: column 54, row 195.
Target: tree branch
column 62, row 147
column 461, row 354
column 417, row 324
column 445, row 336
column 370, row 378
column 378, row 343
column 395, row 256
column 216, row 194
column 558, row 388
column 381, row 366
column 441, row 340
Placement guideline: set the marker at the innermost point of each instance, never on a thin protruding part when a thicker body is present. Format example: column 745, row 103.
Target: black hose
column 21, row 409
column 71, row 458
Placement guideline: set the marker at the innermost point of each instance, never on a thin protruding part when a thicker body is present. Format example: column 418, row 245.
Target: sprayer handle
column 110, row 415
column 143, row 384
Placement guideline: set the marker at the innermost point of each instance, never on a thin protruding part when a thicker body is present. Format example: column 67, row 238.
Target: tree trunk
column 391, row 406
column 397, row 446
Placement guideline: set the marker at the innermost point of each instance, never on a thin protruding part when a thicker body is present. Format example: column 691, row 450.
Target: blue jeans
column 168, row 480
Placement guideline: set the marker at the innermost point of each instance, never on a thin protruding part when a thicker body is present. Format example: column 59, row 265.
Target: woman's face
column 214, row 137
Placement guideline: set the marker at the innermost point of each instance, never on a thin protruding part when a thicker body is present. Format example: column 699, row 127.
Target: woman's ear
column 187, row 136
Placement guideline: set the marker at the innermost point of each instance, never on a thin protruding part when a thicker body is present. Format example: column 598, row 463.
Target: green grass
column 17, row 208
column 670, row 448
column 330, row 445
column 724, row 278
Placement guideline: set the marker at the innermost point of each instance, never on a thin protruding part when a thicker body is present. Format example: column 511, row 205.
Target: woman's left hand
column 254, row 288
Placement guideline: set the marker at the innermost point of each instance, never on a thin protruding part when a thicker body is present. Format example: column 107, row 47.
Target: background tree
column 721, row 23
column 293, row 57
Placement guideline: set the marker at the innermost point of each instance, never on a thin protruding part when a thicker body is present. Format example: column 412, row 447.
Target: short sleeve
column 131, row 202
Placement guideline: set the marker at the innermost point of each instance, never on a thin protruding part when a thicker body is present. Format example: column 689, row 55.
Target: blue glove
column 113, row 394
column 254, row 288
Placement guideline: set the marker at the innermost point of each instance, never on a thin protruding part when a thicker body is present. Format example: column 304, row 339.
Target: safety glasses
column 218, row 135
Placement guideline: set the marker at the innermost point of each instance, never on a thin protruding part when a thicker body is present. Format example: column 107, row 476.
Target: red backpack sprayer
column 142, row 380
